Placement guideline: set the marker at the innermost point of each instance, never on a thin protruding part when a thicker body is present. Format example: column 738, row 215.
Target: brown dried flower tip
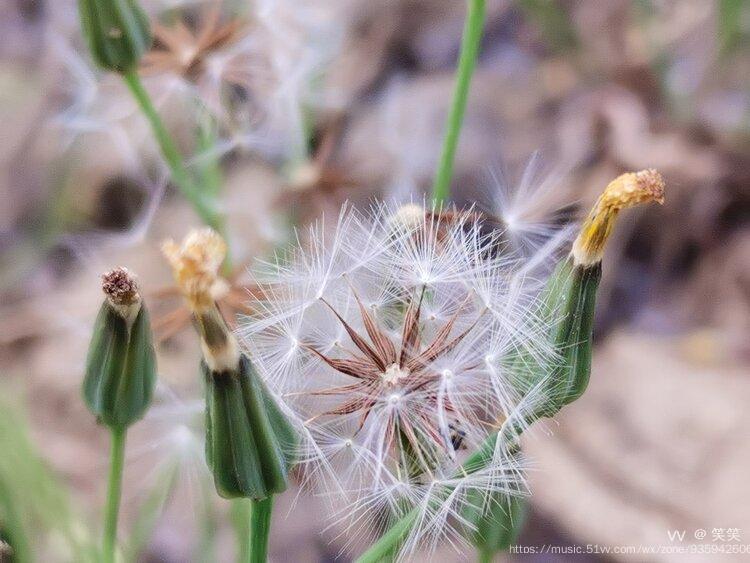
column 120, row 287
column 627, row 190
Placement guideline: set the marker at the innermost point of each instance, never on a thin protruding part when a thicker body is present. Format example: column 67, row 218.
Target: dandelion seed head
column 377, row 333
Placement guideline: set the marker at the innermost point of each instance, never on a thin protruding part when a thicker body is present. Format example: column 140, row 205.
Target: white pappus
column 391, row 340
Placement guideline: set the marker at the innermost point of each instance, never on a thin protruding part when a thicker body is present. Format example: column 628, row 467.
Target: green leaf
column 497, row 522
column 33, row 503
column 553, row 22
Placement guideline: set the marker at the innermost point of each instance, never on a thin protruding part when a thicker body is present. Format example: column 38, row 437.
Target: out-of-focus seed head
column 627, row 190
column 408, row 215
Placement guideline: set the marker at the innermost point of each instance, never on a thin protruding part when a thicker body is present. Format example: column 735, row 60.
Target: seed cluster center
column 393, row 374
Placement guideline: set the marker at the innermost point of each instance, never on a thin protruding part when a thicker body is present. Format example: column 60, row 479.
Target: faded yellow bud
column 196, row 263
column 627, row 190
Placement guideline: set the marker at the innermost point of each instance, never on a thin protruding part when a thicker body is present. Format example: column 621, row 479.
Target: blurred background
column 286, row 111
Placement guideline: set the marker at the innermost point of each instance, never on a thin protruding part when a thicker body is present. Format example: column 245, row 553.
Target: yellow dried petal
column 195, row 264
column 627, row 190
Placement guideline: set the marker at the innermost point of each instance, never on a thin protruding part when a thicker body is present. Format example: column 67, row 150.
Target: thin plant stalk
column 260, row 528
column 203, row 206
column 472, row 37
column 389, row 542
column 241, row 514
column 114, row 493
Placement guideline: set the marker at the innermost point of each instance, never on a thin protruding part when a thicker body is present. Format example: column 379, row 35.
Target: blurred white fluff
column 530, row 208
column 391, row 339
column 254, row 66
column 166, row 455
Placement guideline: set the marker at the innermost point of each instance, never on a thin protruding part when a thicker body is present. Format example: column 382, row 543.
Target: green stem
column 472, row 37
column 485, row 556
column 260, row 527
column 386, row 546
column 389, row 542
column 203, row 207
column 114, row 492
column 241, row 510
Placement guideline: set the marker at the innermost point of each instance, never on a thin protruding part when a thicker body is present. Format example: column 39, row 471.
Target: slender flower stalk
column 472, row 38
column 118, row 35
column 120, row 379
column 566, row 314
column 260, row 527
column 204, row 206
column 114, row 493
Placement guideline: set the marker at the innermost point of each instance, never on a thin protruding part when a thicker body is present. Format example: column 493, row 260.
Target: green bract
column 249, row 442
column 572, row 291
column 120, row 368
column 117, row 32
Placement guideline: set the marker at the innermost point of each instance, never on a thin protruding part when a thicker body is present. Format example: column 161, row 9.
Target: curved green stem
column 203, row 206
column 114, row 492
column 387, row 545
column 472, row 37
column 389, row 542
column 260, row 528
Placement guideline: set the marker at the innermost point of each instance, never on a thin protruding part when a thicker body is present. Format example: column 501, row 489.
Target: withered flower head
column 195, row 264
column 120, row 287
column 627, row 190
column 121, row 361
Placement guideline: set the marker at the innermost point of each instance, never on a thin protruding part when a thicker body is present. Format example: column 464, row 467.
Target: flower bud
column 117, row 32
column 570, row 295
column 627, row 190
column 250, row 444
column 121, row 363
